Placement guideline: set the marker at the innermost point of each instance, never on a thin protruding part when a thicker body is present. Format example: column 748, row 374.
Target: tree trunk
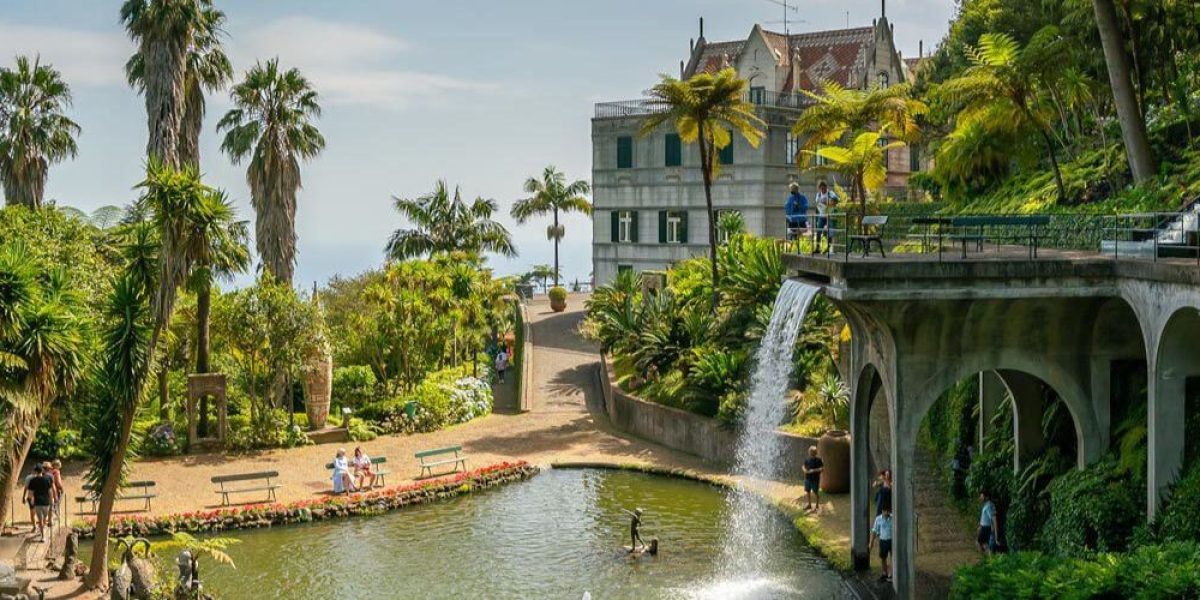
column 1133, row 126
column 706, row 170
column 555, row 236
column 203, row 312
column 14, row 455
column 97, row 577
column 166, row 69
column 1058, row 180
column 164, row 393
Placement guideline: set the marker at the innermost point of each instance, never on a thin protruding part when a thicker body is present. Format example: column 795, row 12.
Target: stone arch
column 1176, row 364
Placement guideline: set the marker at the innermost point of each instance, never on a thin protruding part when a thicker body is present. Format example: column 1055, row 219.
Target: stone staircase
column 945, row 538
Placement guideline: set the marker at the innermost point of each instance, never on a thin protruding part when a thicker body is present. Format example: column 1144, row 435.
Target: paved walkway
column 559, row 429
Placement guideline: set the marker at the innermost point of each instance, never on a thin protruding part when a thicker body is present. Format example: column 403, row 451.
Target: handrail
column 647, row 106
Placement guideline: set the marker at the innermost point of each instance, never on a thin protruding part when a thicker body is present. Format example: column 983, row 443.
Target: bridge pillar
column 992, row 392
column 1029, row 395
column 1171, row 363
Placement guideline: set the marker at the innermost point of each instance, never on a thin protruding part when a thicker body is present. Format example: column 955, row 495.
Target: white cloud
column 348, row 64
column 85, row 58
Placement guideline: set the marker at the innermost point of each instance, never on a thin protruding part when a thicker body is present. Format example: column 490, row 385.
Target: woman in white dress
column 342, row 482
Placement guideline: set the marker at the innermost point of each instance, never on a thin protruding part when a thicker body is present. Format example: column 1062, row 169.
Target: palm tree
column 34, row 131
column 177, row 207
column 207, row 68
column 224, row 245
column 1133, row 123
column 43, row 346
column 443, row 224
column 706, row 109
column 165, row 31
column 839, row 111
column 272, row 120
column 1001, row 92
column 863, row 162
column 552, row 194
column 542, row 273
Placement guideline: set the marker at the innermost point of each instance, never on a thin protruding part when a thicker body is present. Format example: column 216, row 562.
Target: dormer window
column 883, row 80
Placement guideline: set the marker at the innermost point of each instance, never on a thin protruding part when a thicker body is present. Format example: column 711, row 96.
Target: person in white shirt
column 501, row 364
column 881, row 531
column 342, row 482
column 362, row 469
column 825, row 201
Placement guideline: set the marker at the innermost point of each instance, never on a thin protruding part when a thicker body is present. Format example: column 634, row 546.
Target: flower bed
column 314, row 509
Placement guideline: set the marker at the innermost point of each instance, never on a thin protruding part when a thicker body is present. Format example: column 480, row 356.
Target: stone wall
column 685, row 431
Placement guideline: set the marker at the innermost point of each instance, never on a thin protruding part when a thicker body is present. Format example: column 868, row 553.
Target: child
column 882, row 531
column 813, row 466
column 987, row 533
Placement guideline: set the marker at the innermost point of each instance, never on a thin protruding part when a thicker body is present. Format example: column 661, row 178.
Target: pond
column 557, row 535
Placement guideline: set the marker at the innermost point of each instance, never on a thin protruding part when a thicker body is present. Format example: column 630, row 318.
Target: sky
column 483, row 94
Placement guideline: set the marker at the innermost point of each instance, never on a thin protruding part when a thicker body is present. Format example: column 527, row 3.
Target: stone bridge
column 1063, row 321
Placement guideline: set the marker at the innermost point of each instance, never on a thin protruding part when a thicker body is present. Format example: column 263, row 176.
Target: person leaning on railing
column 826, row 200
column 796, row 211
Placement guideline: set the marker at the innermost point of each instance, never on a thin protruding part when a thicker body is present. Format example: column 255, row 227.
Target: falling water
column 751, row 522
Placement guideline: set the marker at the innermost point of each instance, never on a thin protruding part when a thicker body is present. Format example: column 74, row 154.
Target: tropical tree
column 838, row 112
column 224, row 241
column 160, row 252
column 1129, row 113
column 165, row 31
column 442, row 224
column 552, row 194
column 1002, row 90
column 542, row 273
column 34, row 129
column 705, row 109
column 207, row 68
column 42, row 350
column 863, row 162
column 272, row 121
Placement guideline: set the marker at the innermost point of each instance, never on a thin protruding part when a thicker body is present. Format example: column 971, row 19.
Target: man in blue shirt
column 989, row 530
column 796, row 211
column 881, row 531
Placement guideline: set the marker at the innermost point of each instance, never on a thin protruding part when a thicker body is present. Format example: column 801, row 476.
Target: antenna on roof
column 786, row 8
column 847, row 19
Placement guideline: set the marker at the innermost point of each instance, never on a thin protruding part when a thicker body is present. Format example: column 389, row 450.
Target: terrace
column 764, row 99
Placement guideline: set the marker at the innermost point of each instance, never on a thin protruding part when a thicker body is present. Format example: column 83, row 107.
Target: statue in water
column 636, row 545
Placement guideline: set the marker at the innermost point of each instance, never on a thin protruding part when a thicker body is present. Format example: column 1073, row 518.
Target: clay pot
column 834, row 450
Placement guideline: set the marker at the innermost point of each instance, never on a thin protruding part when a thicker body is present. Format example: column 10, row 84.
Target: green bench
column 264, row 477
column 429, row 459
column 974, row 229
column 381, row 473
column 92, row 494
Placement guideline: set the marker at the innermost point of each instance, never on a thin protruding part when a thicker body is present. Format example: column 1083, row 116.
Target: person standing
column 989, row 530
column 883, row 495
column 40, row 494
column 796, row 212
column 825, row 200
column 881, row 531
column 54, row 470
column 813, row 466
column 501, row 364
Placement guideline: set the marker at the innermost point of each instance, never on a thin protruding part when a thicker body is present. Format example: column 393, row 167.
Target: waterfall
column 759, row 453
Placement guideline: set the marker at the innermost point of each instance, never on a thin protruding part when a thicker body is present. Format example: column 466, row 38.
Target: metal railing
column 844, row 236
column 646, row 106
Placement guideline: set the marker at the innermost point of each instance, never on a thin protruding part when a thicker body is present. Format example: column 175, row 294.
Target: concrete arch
column 1174, row 361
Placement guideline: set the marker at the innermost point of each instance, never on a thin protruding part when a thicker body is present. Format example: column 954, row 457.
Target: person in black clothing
column 813, row 466
column 41, row 494
column 883, row 495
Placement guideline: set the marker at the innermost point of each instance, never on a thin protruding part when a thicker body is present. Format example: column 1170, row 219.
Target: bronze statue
column 635, row 537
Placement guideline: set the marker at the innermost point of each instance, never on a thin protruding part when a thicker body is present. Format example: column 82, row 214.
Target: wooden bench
column 872, row 231
column 264, row 476
column 381, row 472
column 93, row 494
column 973, row 229
column 428, row 465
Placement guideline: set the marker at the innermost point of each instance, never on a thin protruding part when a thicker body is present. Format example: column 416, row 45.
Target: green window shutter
column 616, row 226
column 662, row 226
column 633, row 226
column 674, row 148
column 625, row 152
column 683, row 230
column 726, row 155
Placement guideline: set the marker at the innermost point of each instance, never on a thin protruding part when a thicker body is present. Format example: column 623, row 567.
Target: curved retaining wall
column 684, row 431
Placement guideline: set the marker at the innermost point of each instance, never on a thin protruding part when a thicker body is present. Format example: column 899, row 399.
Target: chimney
column 921, row 49
column 691, row 45
column 702, row 27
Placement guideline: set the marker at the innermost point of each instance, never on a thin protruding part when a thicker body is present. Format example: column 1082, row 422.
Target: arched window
column 883, row 80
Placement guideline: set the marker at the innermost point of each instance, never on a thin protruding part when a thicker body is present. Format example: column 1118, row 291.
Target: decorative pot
column 558, row 305
column 834, row 450
column 318, row 388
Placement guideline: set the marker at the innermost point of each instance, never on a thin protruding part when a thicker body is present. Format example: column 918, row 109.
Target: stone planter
column 318, row 388
column 834, row 450
column 558, row 305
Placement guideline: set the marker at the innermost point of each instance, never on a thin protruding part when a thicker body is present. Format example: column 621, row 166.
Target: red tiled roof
column 839, row 55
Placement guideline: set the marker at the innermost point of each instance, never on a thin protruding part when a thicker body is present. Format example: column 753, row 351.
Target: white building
column 647, row 191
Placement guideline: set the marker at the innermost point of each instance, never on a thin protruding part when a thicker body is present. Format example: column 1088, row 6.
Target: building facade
column 648, row 193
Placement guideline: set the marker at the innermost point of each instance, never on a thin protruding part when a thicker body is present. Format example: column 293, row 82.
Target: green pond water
column 557, row 535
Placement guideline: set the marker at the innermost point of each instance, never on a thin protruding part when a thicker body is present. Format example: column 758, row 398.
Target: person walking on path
column 989, row 530
column 501, row 364
column 54, row 471
column 881, row 531
column 883, row 495
column 41, row 494
column 813, row 466
column 825, row 200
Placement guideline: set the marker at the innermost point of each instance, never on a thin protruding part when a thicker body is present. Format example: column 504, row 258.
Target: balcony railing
column 646, row 106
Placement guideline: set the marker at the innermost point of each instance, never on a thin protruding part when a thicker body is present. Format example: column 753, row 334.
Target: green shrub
column 558, row 294
column 1093, row 510
column 1179, row 518
column 353, row 385
column 62, row 444
column 444, row 398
